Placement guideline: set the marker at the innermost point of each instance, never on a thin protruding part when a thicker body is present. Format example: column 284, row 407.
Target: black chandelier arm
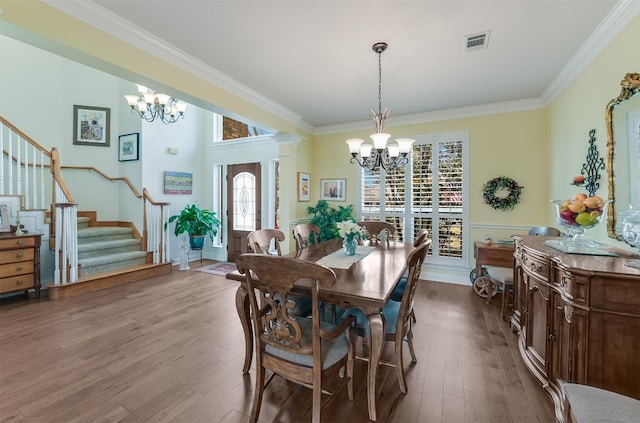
column 378, row 160
column 154, row 112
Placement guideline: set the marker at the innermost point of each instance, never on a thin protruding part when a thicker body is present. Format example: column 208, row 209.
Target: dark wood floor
column 170, row 349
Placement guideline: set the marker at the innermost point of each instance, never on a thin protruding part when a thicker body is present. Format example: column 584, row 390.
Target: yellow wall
column 581, row 107
column 509, row 144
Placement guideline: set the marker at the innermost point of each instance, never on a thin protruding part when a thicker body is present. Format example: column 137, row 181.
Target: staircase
column 105, row 248
column 109, row 254
column 88, row 254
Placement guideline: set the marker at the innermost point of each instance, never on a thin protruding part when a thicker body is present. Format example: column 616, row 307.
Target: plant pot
column 196, row 242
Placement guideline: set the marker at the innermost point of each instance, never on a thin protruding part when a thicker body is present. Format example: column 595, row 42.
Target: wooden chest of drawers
column 19, row 263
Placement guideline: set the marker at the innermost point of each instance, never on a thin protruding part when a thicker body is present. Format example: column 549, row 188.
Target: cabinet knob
column 552, row 337
column 19, row 268
column 19, row 255
column 20, row 242
column 19, row 283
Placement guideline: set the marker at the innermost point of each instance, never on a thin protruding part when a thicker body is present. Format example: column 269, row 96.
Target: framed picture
column 129, row 147
column 304, row 186
column 91, row 125
column 178, row 183
column 333, row 189
column 4, row 218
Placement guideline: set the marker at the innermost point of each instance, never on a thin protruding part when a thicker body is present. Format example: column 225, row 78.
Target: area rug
column 221, row 268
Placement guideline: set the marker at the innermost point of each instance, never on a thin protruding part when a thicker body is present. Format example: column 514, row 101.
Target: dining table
column 364, row 281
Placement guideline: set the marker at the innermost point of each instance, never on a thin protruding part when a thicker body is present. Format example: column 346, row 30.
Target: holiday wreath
column 501, row 183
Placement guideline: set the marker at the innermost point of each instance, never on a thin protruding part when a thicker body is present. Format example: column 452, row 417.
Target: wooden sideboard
column 578, row 318
column 19, row 263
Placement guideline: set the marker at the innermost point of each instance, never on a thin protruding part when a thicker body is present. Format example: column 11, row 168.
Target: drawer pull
column 19, row 255
column 535, row 268
column 21, row 242
column 19, row 282
column 19, row 268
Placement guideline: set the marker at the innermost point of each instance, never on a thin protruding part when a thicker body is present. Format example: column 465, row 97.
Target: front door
column 243, row 206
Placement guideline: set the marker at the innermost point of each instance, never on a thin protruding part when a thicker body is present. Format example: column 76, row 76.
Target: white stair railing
column 155, row 217
column 22, row 173
column 22, row 167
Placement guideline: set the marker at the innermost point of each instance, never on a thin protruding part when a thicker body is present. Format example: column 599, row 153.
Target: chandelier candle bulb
column 394, row 150
column 365, row 150
column 380, row 140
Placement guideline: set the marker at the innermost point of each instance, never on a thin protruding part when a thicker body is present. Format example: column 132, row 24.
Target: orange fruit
column 577, row 207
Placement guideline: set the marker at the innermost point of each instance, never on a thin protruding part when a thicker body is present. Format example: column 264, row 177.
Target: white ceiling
column 314, row 57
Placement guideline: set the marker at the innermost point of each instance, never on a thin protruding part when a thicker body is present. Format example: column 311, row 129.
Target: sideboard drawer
column 17, row 242
column 16, row 283
column 539, row 268
column 19, row 268
column 22, row 254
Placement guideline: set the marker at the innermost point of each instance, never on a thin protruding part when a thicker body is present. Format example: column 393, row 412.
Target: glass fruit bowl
column 577, row 215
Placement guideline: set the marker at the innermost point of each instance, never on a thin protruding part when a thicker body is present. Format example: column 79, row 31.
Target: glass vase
column 349, row 246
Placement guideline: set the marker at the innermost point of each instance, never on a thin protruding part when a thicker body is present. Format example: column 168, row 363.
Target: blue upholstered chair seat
column 398, row 291
column 390, row 313
column 333, row 350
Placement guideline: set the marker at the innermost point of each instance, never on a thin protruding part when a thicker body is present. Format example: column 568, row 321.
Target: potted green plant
column 196, row 222
column 325, row 217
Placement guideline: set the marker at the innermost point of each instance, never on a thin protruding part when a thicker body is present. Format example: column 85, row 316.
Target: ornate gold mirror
column 623, row 151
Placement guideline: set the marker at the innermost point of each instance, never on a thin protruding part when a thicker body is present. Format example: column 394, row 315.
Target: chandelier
column 151, row 105
column 380, row 154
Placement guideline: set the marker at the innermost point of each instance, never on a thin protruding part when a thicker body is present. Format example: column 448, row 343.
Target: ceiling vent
column 476, row 41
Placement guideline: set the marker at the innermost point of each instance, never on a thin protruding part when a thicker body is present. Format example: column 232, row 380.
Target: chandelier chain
column 379, row 83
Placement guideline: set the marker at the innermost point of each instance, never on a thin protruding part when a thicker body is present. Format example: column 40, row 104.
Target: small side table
column 493, row 255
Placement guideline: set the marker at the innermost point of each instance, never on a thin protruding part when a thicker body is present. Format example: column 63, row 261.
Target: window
column 244, row 202
column 226, row 129
column 426, row 193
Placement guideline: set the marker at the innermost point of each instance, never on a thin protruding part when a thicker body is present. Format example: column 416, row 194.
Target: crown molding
column 98, row 17
column 617, row 19
column 440, row 115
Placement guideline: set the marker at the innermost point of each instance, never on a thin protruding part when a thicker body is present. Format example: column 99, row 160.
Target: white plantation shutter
column 416, row 197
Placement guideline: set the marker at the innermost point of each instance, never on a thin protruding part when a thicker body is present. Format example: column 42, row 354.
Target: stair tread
column 107, row 244
column 102, row 230
column 111, row 258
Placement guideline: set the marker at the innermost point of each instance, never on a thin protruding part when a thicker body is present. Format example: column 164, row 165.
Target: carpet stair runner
column 102, row 249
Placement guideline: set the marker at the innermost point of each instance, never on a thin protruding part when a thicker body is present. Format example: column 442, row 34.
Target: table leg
column 242, row 307
column 478, row 269
column 376, row 335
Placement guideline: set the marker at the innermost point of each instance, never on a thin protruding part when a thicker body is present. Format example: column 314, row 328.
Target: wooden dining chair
column 375, row 230
column 303, row 350
column 259, row 241
column 397, row 315
column 305, row 234
column 398, row 291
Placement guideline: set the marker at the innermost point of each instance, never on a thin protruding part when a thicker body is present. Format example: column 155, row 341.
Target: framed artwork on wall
column 333, row 189
column 4, row 218
column 178, row 183
column 129, row 147
column 91, row 125
column 304, row 186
